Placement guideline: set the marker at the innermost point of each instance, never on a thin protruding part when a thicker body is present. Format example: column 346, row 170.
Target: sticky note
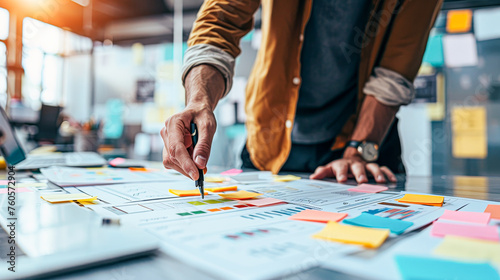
column 432, row 200
column 285, row 178
column 368, row 237
column 366, row 188
column 460, row 50
column 194, row 192
column 222, row 189
column 372, row 221
column 486, row 22
column 458, row 21
column 434, row 51
column 231, row 172
column 68, row 197
column 318, row 216
column 116, row 161
column 412, row 267
column 469, row 249
column 210, row 179
column 494, row 210
column 261, row 202
column 441, row 229
column 17, row 190
column 4, row 182
column 139, row 169
column 464, row 216
column 470, row 137
column 240, row 195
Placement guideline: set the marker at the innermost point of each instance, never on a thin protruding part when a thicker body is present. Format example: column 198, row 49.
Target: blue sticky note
column 412, row 268
column 434, row 51
column 372, row 221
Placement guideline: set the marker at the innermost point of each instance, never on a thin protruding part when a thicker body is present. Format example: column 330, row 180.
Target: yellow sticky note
column 459, row 21
column 432, row 200
column 68, row 197
column 194, row 192
column 469, row 249
column 240, row 195
column 368, row 237
column 285, row 178
column 222, row 189
column 470, row 138
column 215, row 179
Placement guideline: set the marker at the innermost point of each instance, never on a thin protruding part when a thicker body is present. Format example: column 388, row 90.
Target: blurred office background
column 110, row 69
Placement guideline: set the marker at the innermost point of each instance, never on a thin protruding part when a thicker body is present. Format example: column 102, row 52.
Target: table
column 162, row 266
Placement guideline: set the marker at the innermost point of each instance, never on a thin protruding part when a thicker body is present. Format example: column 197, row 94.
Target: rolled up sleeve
column 211, row 55
column 389, row 87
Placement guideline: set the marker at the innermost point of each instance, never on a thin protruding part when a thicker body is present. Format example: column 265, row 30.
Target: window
column 44, row 48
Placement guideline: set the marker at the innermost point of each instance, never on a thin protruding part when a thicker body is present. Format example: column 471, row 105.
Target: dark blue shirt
column 329, row 69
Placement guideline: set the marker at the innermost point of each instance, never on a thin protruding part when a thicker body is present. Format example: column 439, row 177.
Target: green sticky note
column 434, row 51
column 184, row 214
column 372, row 221
column 198, row 212
column 196, row 203
column 212, row 201
column 412, row 267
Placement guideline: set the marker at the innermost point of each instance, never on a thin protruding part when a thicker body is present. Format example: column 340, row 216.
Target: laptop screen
column 9, row 146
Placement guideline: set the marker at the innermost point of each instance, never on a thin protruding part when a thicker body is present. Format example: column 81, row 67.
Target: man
column 327, row 82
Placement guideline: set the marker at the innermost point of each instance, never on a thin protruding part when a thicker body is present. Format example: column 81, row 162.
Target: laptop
column 56, row 239
column 15, row 155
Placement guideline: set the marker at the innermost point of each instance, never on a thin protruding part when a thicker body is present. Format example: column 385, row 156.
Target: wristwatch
column 367, row 150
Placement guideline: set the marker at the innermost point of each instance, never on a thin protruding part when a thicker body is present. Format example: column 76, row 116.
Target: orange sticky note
column 432, row 200
column 459, row 21
column 318, row 216
column 240, row 195
column 494, row 210
column 194, row 192
column 222, row 189
column 368, row 237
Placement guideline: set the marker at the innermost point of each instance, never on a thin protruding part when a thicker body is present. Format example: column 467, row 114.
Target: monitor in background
column 9, row 147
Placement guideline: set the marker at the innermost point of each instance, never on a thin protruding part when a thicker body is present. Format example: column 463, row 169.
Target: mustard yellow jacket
column 395, row 38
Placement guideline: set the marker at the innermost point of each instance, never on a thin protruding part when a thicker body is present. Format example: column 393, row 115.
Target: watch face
column 369, row 151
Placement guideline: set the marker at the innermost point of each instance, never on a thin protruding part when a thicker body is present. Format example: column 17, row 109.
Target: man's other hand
column 352, row 165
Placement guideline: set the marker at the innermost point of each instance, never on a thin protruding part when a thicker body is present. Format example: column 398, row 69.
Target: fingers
column 341, row 169
column 176, row 155
column 374, row 169
column 358, row 170
column 389, row 174
column 322, row 172
column 206, row 130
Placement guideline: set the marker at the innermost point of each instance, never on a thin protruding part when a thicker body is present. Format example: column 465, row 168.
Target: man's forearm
column 374, row 120
column 205, row 86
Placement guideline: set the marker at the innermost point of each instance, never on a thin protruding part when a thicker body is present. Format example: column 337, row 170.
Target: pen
column 199, row 182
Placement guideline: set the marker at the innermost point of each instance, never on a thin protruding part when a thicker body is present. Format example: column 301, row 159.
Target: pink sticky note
column 231, row 172
column 441, row 229
column 464, row 216
column 367, row 188
column 318, row 216
column 116, row 161
column 4, row 182
column 260, row 202
column 17, row 190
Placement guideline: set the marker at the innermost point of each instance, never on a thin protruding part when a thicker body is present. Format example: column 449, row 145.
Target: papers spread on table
column 255, row 230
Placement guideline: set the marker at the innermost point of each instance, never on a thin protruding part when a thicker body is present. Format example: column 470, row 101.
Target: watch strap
column 354, row 144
